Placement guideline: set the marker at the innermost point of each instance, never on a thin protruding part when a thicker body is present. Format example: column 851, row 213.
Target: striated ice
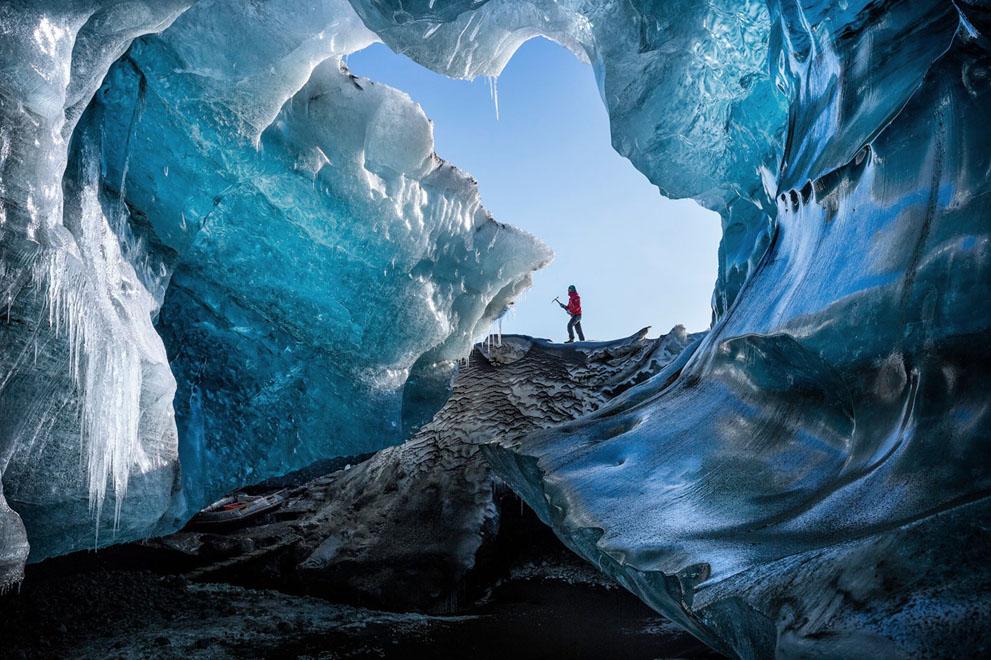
column 812, row 479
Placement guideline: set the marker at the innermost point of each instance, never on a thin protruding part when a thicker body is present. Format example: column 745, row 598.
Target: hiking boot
column 570, row 341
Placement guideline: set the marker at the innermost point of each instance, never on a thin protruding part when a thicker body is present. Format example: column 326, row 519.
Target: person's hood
column 572, row 294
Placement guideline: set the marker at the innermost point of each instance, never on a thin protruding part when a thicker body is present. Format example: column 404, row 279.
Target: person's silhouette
column 574, row 308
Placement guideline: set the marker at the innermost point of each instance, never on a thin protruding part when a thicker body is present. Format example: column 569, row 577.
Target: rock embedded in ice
column 409, row 524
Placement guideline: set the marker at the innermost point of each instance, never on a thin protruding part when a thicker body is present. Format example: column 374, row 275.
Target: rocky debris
column 417, row 526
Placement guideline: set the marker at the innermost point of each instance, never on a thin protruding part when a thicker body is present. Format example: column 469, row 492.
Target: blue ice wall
column 318, row 259
column 812, row 480
column 287, row 227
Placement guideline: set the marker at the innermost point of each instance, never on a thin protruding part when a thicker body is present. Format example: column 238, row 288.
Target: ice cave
column 230, row 267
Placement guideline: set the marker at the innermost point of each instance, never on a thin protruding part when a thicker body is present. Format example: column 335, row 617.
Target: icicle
column 107, row 373
column 494, row 93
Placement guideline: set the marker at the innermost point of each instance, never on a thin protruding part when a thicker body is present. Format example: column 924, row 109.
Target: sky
column 546, row 165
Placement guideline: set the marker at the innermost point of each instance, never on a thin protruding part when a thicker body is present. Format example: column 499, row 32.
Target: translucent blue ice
column 811, row 480
column 320, row 251
column 287, row 226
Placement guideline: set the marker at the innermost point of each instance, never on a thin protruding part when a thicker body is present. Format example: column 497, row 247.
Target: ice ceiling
column 199, row 205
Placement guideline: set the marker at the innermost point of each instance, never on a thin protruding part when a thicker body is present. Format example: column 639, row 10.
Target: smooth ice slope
column 813, row 481
column 287, row 226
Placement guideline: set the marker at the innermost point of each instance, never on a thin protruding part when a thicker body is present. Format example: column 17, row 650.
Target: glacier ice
column 812, row 479
column 76, row 335
column 322, row 249
column 809, row 479
column 286, row 225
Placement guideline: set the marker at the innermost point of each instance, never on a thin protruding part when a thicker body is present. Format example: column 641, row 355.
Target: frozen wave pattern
column 811, row 480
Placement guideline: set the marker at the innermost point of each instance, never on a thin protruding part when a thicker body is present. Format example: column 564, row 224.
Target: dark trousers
column 576, row 324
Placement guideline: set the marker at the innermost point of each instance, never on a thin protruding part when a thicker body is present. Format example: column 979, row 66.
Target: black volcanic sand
column 106, row 605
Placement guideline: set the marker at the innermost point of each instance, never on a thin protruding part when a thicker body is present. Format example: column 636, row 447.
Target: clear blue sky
column 547, row 166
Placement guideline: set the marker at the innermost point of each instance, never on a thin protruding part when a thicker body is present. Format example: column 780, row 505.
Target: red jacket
column 574, row 304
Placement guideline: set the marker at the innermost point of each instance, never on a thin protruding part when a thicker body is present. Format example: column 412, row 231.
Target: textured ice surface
column 813, row 480
column 287, row 226
column 76, row 339
column 323, row 247
column 407, row 526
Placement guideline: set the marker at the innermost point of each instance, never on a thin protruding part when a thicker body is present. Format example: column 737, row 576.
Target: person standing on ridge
column 574, row 308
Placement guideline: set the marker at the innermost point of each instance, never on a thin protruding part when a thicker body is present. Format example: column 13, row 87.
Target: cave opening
column 304, row 253
column 285, row 349
column 537, row 139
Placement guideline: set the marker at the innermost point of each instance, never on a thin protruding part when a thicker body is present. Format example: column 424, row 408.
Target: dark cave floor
column 107, row 605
